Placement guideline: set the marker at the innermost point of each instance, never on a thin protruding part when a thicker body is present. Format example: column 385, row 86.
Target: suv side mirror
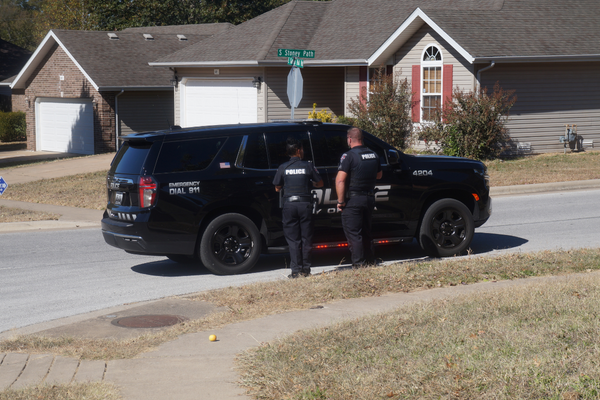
column 393, row 157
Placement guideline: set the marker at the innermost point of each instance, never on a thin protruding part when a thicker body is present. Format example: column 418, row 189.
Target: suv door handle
column 258, row 183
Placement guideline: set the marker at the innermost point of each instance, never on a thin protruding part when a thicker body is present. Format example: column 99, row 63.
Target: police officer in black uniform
column 295, row 178
column 355, row 183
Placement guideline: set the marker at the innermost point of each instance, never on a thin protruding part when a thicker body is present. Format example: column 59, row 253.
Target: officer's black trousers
column 298, row 231
column 356, row 220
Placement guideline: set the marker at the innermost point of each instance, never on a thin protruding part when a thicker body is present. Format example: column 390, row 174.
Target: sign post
column 295, row 82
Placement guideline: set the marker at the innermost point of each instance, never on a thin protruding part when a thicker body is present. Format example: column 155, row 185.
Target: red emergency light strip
column 339, row 245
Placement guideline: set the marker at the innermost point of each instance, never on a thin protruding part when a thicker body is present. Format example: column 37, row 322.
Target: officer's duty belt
column 361, row 193
column 293, row 199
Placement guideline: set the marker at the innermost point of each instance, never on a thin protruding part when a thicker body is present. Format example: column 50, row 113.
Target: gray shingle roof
column 124, row 62
column 356, row 29
column 526, row 28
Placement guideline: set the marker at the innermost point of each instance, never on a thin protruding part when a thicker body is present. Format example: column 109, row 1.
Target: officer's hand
column 340, row 206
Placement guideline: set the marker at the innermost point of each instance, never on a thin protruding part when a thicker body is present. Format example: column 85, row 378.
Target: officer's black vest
column 296, row 178
column 364, row 173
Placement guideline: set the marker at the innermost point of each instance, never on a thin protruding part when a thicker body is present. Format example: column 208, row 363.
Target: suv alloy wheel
column 230, row 244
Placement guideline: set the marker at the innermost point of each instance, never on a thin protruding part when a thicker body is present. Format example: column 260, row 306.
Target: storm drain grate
column 148, row 321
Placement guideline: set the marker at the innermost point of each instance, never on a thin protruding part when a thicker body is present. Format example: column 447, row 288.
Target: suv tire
column 230, row 244
column 447, row 228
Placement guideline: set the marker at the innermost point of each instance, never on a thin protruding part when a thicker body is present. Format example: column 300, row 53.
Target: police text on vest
column 300, row 171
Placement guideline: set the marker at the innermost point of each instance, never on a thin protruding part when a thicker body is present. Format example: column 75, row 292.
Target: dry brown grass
column 82, row 190
column 545, row 168
column 8, row 214
column 533, row 342
column 75, row 391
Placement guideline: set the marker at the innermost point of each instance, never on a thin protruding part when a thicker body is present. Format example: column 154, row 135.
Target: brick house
column 546, row 50
column 80, row 90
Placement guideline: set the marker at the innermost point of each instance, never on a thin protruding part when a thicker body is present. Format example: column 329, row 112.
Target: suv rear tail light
column 147, row 190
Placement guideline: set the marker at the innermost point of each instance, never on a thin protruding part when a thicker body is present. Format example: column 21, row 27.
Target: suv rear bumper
column 135, row 244
column 136, row 237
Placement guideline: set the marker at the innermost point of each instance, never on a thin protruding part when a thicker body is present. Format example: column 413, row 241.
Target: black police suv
column 205, row 194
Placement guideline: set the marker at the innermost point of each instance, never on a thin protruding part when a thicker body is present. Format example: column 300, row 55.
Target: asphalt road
column 70, row 272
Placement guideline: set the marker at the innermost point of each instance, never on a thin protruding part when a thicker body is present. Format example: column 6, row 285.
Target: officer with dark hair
column 295, row 177
column 355, row 183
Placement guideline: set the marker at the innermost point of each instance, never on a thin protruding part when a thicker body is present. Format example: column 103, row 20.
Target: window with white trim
column 431, row 82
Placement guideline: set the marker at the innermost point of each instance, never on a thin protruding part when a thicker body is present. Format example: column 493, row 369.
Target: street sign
column 296, row 62
column 295, row 53
column 294, row 88
column 3, row 185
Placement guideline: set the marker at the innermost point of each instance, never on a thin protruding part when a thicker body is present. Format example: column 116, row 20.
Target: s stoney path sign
column 293, row 53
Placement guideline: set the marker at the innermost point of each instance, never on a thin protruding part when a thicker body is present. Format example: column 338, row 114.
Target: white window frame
column 428, row 64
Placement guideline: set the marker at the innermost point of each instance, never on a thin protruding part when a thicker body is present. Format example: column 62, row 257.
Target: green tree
column 66, row 14
column 237, row 11
column 18, row 23
column 385, row 112
column 120, row 14
column 473, row 125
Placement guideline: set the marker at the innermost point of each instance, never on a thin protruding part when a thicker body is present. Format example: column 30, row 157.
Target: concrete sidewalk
column 190, row 367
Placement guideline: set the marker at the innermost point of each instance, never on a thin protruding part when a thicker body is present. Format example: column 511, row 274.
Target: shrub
column 340, row 119
column 322, row 115
column 473, row 125
column 12, row 126
column 386, row 112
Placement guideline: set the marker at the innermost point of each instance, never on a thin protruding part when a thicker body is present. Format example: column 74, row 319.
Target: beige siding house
column 436, row 45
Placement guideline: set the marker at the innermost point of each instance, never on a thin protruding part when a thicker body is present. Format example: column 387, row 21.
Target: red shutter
column 362, row 86
column 447, row 86
column 416, row 96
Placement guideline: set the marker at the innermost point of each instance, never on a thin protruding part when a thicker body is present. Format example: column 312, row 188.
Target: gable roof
column 358, row 32
column 12, row 59
column 115, row 64
column 526, row 30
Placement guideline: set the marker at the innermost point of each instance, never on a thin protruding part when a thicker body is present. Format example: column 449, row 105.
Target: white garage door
column 219, row 102
column 65, row 125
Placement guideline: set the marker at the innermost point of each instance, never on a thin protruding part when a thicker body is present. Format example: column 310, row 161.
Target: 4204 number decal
column 423, row 172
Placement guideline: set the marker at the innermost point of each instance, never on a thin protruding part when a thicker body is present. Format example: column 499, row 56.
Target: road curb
column 544, row 187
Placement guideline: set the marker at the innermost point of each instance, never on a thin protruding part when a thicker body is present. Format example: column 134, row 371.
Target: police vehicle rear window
column 130, row 158
column 188, row 155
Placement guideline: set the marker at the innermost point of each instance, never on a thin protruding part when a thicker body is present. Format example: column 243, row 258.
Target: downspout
column 479, row 74
column 117, row 120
